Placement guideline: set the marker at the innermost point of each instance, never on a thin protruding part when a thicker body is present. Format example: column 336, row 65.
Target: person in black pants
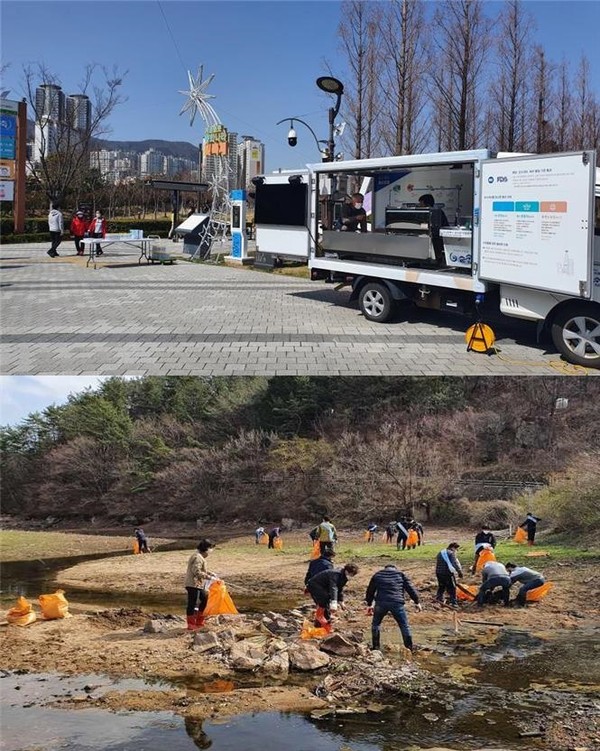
column 273, row 535
column 447, row 567
column 196, row 581
column 327, row 590
column 401, row 526
column 530, row 525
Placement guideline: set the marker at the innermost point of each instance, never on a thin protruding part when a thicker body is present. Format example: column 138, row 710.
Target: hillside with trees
column 454, row 450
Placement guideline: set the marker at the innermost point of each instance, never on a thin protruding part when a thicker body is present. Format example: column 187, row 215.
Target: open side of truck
column 520, row 234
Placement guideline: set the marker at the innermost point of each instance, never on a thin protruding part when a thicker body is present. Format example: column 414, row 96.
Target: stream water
column 503, row 682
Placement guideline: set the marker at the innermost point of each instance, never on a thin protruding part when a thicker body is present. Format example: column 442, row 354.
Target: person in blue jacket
column 387, row 590
column 315, row 567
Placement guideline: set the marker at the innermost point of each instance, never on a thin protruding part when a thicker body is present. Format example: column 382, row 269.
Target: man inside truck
column 439, row 219
column 354, row 216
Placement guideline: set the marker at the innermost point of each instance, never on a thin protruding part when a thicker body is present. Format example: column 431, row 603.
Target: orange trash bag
column 413, row 539
column 520, row 535
column 313, row 632
column 22, row 614
column 538, row 593
column 367, row 536
column 219, row 601
column 136, row 547
column 54, row 606
column 316, row 550
column 278, row 543
column 264, row 539
column 486, row 556
column 469, row 595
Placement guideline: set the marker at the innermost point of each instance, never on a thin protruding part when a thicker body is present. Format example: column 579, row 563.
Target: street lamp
column 329, row 85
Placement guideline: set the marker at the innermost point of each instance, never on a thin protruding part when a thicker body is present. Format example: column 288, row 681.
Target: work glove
column 333, row 607
column 369, row 610
column 419, row 607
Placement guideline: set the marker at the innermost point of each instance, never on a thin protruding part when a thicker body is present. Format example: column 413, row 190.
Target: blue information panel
column 8, row 125
column 7, row 148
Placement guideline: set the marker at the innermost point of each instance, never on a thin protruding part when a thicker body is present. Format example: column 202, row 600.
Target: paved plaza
column 61, row 317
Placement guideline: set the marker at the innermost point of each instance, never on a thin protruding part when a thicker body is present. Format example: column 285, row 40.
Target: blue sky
column 21, row 395
column 265, row 56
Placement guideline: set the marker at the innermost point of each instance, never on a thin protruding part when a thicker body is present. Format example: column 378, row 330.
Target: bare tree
column 358, row 35
column 63, row 148
column 456, row 67
column 402, row 32
column 563, row 108
column 542, row 99
column 509, row 89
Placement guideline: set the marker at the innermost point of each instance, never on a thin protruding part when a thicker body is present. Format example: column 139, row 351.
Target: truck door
column 537, row 222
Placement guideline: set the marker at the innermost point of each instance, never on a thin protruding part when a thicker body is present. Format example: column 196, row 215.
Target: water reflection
column 194, row 729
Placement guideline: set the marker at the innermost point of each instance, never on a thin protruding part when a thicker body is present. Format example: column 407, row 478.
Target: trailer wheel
column 376, row 302
column 576, row 334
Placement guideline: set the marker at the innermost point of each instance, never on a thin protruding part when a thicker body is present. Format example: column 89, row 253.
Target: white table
column 90, row 243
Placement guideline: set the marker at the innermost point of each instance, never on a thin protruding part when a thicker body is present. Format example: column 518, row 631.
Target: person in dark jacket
column 482, row 538
column 273, row 535
column 142, row 540
column 327, row 591
column 447, row 568
column 402, row 529
column 324, row 563
column 530, row 526
column 387, row 588
column 390, row 531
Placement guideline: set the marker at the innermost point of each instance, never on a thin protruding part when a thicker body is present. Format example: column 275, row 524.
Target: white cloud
column 21, row 395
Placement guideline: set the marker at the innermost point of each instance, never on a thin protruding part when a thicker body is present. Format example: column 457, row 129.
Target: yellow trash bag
column 486, row 556
column 520, row 535
column 316, row 550
column 313, row 632
column 136, row 547
column 413, row 539
column 538, row 593
column 467, row 592
column 278, row 543
column 54, row 606
column 22, row 614
column 219, row 601
column 264, row 539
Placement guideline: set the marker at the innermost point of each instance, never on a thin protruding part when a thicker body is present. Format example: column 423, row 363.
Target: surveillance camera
column 292, row 138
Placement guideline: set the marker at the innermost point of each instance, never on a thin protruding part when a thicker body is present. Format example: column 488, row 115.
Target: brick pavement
column 59, row 317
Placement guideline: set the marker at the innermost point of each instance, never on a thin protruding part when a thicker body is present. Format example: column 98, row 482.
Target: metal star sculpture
column 198, row 97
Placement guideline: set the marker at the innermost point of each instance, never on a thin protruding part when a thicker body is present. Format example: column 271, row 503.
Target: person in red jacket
column 78, row 228
column 97, row 228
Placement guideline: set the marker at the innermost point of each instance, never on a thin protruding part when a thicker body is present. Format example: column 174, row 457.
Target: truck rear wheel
column 376, row 302
column 576, row 334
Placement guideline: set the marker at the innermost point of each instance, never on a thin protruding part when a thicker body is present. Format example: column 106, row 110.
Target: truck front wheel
column 576, row 334
column 376, row 302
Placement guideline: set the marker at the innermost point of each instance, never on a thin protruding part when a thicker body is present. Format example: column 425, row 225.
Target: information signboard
column 7, row 190
column 536, row 222
column 8, row 148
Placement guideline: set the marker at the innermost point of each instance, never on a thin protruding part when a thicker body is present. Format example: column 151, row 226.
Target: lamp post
column 330, row 86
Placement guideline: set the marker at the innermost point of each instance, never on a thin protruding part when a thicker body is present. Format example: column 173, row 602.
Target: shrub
column 455, row 511
column 494, row 514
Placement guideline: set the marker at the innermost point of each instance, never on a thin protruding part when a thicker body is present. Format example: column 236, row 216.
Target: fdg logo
column 500, row 179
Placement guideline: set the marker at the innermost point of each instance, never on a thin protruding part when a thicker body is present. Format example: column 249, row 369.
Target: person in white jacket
column 55, row 227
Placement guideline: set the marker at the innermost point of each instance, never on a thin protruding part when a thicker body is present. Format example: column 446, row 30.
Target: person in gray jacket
column 494, row 575
column 56, row 228
column 529, row 578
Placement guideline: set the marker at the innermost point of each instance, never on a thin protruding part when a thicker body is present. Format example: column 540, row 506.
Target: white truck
column 518, row 234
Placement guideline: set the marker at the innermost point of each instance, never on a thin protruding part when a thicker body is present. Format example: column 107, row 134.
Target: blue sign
column 8, row 125
column 236, row 245
column 7, row 148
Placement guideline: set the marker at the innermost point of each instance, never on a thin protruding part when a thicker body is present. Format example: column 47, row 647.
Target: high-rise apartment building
column 251, row 160
column 49, row 117
column 79, row 112
column 152, row 163
column 210, row 162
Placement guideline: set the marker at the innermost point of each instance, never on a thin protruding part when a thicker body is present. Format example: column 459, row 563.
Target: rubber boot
column 191, row 623
column 376, row 641
column 199, row 620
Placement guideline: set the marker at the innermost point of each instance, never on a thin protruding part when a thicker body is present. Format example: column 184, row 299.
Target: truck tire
column 576, row 334
column 376, row 303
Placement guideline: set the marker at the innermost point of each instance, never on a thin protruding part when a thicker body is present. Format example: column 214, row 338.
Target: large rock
column 306, row 656
column 278, row 664
column 247, row 655
column 337, row 644
column 204, row 641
